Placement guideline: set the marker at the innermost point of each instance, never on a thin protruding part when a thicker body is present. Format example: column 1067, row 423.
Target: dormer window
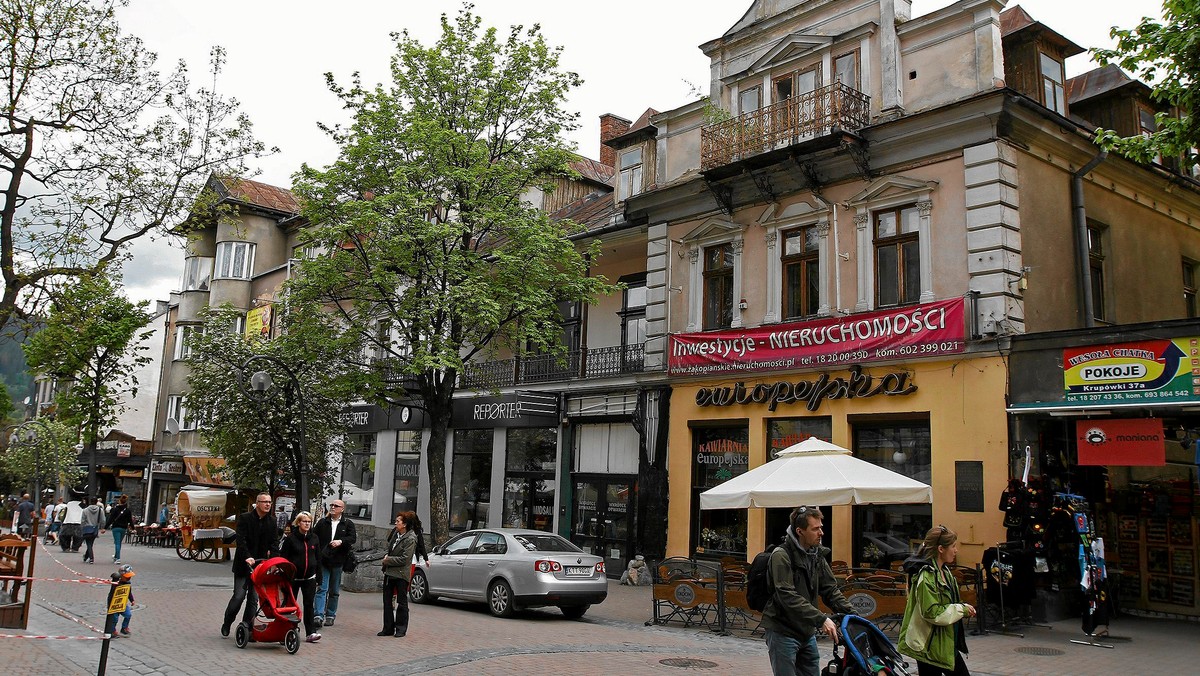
column 630, row 182
column 1053, row 95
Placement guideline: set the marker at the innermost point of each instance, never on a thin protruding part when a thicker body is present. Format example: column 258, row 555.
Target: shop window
column 630, row 180
column 883, row 534
column 801, row 272
column 718, row 455
column 235, row 260
column 529, row 477
column 471, row 479
column 1052, row 84
column 897, row 256
column 784, row 432
column 1097, row 268
column 1189, row 288
column 407, row 475
column 358, row 475
column 718, row 286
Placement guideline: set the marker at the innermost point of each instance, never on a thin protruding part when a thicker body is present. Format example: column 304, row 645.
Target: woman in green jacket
column 933, row 595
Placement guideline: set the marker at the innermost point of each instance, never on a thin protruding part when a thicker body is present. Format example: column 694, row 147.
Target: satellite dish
column 172, row 426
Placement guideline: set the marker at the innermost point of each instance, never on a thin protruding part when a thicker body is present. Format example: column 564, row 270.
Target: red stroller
column 278, row 612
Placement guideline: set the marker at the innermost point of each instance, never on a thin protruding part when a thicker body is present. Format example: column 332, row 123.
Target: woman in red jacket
column 300, row 547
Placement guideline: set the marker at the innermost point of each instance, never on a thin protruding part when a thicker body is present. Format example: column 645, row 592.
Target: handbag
column 89, row 530
column 919, row 631
column 351, row 562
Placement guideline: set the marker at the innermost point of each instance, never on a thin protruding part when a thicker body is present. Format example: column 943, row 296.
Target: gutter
column 1082, row 253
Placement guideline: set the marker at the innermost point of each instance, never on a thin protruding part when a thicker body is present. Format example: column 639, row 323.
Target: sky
column 631, row 56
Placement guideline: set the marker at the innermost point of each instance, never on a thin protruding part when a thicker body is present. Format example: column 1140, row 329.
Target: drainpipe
column 1079, row 217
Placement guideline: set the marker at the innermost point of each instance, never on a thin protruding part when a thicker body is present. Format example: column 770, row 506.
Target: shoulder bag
column 351, row 562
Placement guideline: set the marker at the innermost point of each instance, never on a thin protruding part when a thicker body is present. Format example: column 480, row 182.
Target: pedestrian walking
column 397, row 572
column 91, row 526
column 25, row 511
column 337, row 536
column 301, row 547
column 119, row 519
column 70, row 536
column 257, row 540
column 932, row 630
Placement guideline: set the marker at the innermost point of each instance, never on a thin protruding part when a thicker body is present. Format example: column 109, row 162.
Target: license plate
column 579, row 570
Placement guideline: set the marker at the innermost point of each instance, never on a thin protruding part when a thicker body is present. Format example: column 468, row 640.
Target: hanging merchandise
column 1013, row 502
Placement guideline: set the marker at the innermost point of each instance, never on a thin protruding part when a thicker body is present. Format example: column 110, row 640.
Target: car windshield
column 545, row 543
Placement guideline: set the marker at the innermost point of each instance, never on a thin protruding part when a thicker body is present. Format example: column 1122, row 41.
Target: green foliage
column 1165, row 55
column 422, row 214
column 98, row 147
column 93, row 338
column 45, row 444
column 257, row 437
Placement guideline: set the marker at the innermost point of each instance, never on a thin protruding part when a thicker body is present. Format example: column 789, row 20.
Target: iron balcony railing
column 793, row 120
column 596, row 362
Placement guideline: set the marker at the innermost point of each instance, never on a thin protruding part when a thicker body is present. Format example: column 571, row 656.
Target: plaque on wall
column 1181, row 532
column 1183, row 562
column 1158, row 560
column 1156, row 531
column 968, row 485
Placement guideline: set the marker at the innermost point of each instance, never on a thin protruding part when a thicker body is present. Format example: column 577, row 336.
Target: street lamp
column 257, row 387
column 27, row 433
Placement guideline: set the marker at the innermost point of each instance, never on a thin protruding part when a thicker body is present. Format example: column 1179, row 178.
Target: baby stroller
column 278, row 612
column 867, row 651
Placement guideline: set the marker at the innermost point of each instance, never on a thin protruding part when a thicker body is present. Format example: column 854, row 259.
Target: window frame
column 1097, row 271
column 629, row 314
column 804, row 260
column 1190, row 288
column 226, row 252
column 182, row 333
column 883, row 193
column 194, row 276
column 177, row 409
column 631, row 179
column 723, row 276
column 899, row 241
column 857, row 55
column 1058, row 87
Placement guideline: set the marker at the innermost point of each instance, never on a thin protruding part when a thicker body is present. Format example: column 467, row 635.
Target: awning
column 208, row 470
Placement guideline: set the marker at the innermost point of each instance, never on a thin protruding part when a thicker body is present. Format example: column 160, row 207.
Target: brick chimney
column 611, row 126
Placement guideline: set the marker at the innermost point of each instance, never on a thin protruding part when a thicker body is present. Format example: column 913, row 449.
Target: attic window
column 630, row 182
column 1052, row 84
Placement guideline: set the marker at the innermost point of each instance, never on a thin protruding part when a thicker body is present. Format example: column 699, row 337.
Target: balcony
column 821, row 112
column 598, row 362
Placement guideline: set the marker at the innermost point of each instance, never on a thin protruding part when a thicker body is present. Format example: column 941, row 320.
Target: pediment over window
column 714, row 228
column 793, row 212
column 794, row 45
column 892, row 187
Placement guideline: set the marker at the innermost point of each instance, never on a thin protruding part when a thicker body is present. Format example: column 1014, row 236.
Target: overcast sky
column 632, row 55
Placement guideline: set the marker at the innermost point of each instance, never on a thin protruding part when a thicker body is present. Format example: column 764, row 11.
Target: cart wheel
column 242, row 636
column 291, row 641
column 184, row 553
column 204, row 552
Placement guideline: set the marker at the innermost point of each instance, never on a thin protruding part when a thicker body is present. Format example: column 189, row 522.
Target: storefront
column 383, row 450
column 861, row 383
column 166, row 477
column 1113, row 417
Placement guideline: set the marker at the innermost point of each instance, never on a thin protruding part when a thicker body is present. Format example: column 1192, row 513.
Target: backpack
column 759, row 588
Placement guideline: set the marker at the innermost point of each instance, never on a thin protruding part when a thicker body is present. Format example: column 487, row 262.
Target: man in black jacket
column 336, row 536
column 257, row 539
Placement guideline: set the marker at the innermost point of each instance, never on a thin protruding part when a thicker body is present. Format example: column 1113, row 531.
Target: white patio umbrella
column 815, row 472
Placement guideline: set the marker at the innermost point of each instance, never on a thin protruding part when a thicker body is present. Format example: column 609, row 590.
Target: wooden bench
column 12, row 562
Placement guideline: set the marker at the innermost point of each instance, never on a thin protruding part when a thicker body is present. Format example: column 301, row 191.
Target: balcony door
column 795, row 107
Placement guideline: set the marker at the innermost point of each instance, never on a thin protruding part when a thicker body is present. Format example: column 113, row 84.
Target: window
column 1147, row 126
column 471, row 479
column 183, row 338
column 1096, row 265
column 718, row 455
column 749, row 100
column 1052, row 84
column 490, row 544
column 630, row 182
column 572, row 325
column 176, row 410
column 797, row 83
column 633, row 310
column 801, row 272
column 1189, row 288
column 785, row 432
column 882, row 533
column 382, row 339
column 718, row 286
column 460, row 545
column 529, row 477
column 235, row 260
column 845, row 69
column 308, row 252
column 407, row 476
column 197, row 272
column 897, row 256
column 239, row 325
column 358, row 475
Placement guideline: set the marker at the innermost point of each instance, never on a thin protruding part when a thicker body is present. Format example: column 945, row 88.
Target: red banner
column 887, row 335
column 1127, row 442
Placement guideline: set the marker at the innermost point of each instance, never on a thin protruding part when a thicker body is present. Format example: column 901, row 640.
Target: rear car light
column 600, row 567
column 547, row 566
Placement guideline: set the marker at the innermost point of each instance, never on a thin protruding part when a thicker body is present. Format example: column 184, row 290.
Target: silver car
column 511, row 568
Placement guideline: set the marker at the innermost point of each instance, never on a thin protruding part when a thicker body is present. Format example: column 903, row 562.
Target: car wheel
column 418, row 589
column 500, row 599
column 573, row 612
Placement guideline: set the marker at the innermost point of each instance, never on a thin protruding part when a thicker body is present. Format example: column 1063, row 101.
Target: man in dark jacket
column 257, row 539
column 800, row 573
column 336, row 535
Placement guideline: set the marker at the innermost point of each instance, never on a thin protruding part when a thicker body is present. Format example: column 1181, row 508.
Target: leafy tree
column 50, row 448
column 434, row 256
column 97, row 148
column 93, row 338
column 259, row 437
column 1166, row 55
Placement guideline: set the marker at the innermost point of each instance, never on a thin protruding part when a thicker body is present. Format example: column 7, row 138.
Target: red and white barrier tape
column 70, row 569
column 94, row 580
column 56, row 638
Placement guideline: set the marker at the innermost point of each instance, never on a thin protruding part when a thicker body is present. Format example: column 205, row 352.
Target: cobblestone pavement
column 179, row 608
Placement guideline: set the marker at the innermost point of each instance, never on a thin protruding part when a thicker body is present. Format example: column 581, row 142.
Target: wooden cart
column 201, row 516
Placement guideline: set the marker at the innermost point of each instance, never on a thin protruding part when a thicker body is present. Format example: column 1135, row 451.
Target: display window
column 529, row 477
column 884, row 535
column 471, row 479
column 718, row 455
column 408, row 471
column 358, row 475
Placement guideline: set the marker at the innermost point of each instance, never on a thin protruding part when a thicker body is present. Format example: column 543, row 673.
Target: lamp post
column 27, row 433
column 257, row 386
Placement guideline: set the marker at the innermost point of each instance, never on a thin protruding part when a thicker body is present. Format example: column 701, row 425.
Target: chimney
column 611, row 126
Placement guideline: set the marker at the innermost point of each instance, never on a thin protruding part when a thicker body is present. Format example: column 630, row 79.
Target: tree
column 434, row 256
column 259, row 438
column 51, row 450
column 1165, row 55
column 92, row 339
column 97, row 148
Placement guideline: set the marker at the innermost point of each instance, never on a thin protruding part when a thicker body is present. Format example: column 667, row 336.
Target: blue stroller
column 867, row 651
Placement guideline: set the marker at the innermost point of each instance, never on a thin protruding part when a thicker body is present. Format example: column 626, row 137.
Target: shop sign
column 130, row 473
column 811, row 392
column 166, row 466
column 1147, row 371
column 522, row 408
column 258, row 322
column 927, row 330
column 1121, row 441
column 123, row 448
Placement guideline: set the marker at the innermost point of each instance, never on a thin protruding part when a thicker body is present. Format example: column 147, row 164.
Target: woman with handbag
column 932, row 632
column 93, row 518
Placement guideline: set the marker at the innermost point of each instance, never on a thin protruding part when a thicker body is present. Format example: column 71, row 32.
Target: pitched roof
column 1097, row 82
column 641, row 128
column 593, row 212
column 594, row 171
column 1015, row 19
column 256, row 194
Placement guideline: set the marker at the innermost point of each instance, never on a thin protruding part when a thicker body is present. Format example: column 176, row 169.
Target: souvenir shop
column 1102, row 503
